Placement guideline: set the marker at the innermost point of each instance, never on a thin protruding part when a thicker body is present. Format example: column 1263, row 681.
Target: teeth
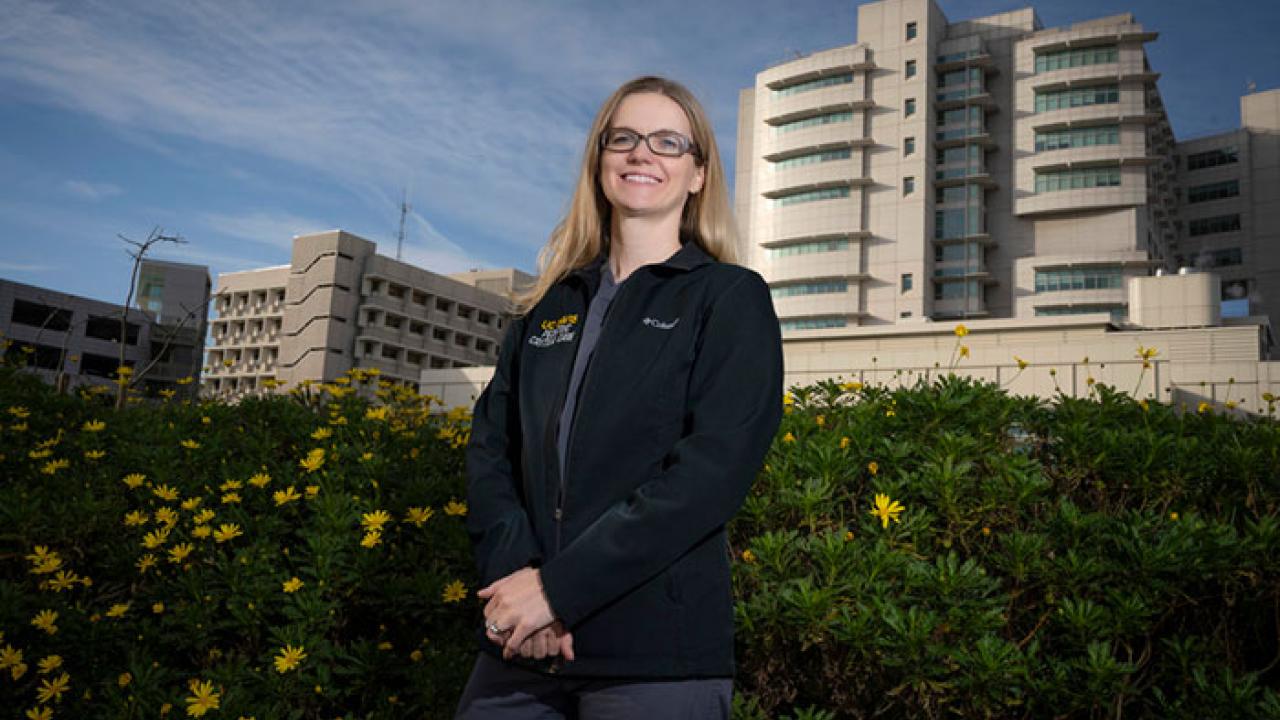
column 640, row 179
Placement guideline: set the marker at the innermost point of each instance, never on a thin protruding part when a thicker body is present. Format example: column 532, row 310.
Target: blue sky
column 238, row 124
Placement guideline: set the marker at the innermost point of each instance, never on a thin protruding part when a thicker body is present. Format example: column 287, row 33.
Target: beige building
column 76, row 341
column 338, row 305
column 1228, row 185
column 936, row 170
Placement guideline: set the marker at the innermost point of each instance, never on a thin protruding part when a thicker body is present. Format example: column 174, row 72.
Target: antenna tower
column 404, row 211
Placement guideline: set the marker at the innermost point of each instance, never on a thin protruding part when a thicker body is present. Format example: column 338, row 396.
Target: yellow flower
column 887, row 509
column 1173, row 516
column 64, row 580
column 820, row 421
column 134, row 480
column 311, row 491
column 385, row 645
column 166, row 493
column 40, row 713
column 180, row 552
column 986, row 531
column 226, row 532
column 124, row 679
column 375, row 520
column 95, row 454
column 1089, row 380
column 53, row 689
column 961, row 330
column 231, row 498
column 191, row 503
column 366, row 456
column 54, row 466
column 313, row 461
column 418, row 515
column 165, row 708
column 231, row 485
column 848, row 535
column 873, row 467
column 454, row 592
column 203, row 698
column 190, row 444
column 788, row 438
column 289, row 658
column 855, row 386
column 185, row 380
column 287, row 495
column 844, row 443
column 94, row 426
column 378, row 413
column 1204, row 407
column 321, row 434
column 9, row 656
column 1022, row 364
column 415, row 656
column 155, row 538
column 135, row 518
column 46, row 620
column 200, row 532
column 453, row 507
column 293, row 585
column 1231, row 404
column 964, row 351
column 167, row 516
column 748, row 556
column 19, row 411
column 157, row 608
column 39, row 454
column 203, row 516
column 49, row 664
column 890, row 413
column 118, row 610
column 1143, row 404
column 371, row 539
column 146, row 562
column 260, row 480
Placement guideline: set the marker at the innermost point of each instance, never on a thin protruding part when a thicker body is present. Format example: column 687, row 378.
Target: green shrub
column 1081, row 558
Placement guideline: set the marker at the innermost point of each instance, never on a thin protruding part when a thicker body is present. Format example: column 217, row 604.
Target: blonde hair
column 579, row 236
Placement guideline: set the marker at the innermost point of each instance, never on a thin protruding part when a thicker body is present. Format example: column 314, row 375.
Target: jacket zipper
column 577, row 408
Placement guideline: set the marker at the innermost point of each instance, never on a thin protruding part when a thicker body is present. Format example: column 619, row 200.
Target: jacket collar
column 689, row 256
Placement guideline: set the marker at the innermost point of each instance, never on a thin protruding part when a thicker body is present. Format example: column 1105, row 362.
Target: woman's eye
column 669, row 143
column 620, row 138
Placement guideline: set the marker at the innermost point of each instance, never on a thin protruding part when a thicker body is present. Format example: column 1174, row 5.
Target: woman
column 632, row 404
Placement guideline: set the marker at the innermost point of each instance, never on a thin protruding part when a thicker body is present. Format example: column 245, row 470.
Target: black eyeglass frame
column 691, row 147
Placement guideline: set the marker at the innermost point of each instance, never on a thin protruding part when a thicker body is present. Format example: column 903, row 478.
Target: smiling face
column 640, row 182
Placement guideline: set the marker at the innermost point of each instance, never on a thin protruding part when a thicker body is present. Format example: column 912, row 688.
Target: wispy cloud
column 268, row 228
column 24, row 267
column 91, row 191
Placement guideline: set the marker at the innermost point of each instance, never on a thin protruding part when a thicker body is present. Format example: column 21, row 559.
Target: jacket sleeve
column 501, row 534
column 734, row 408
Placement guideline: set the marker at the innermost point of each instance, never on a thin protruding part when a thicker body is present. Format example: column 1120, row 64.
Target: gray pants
column 498, row 691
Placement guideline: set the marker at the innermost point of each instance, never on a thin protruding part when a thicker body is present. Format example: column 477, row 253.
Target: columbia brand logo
column 656, row 323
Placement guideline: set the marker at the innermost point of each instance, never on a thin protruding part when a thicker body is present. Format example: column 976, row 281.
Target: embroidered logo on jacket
column 656, row 323
column 555, row 331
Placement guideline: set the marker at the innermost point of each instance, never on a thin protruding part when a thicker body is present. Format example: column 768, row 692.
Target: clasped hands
column 518, row 609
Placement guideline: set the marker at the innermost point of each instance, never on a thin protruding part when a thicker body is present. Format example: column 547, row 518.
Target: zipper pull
column 559, row 514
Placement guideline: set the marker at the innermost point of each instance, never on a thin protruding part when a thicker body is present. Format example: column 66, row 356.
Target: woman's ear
column 699, row 177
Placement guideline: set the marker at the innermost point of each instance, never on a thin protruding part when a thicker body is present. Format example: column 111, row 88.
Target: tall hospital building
column 994, row 169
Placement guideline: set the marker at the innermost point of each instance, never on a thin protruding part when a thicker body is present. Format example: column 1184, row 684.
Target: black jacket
column 679, row 404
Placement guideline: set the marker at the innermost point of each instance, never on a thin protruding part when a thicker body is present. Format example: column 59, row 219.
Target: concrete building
column 1228, row 186
column 338, row 305
column 75, row 340
column 991, row 168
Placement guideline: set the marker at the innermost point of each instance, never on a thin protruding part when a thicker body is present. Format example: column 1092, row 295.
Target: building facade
column 338, row 305
column 991, row 168
column 1228, row 186
column 70, row 340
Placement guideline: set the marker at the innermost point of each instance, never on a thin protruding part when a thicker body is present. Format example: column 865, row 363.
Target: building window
column 909, row 107
column 1094, row 278
column 1220, row 258
column 828, row 119
column 811, row 247
column 911, row 31
column 904, row 314
column 1213, row 191
column 906, row 282
column 810, row 288
column 1077, row 97
column 1077, row 57
column 1213, row 225
column 956, row 290
column 812, row 159
column 814, row 323
column 908, row 185
column 910, row 69
column 1078, row 137
column 40, row 315
column 908, row 146
column 1118, row 312
column 812, row 196
column 1078, row 178
column 1213, row 158
column 106, row 328
column 1235, row 297
column 845, row 79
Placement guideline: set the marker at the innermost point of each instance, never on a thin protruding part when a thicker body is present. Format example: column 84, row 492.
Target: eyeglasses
column 667, row 143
